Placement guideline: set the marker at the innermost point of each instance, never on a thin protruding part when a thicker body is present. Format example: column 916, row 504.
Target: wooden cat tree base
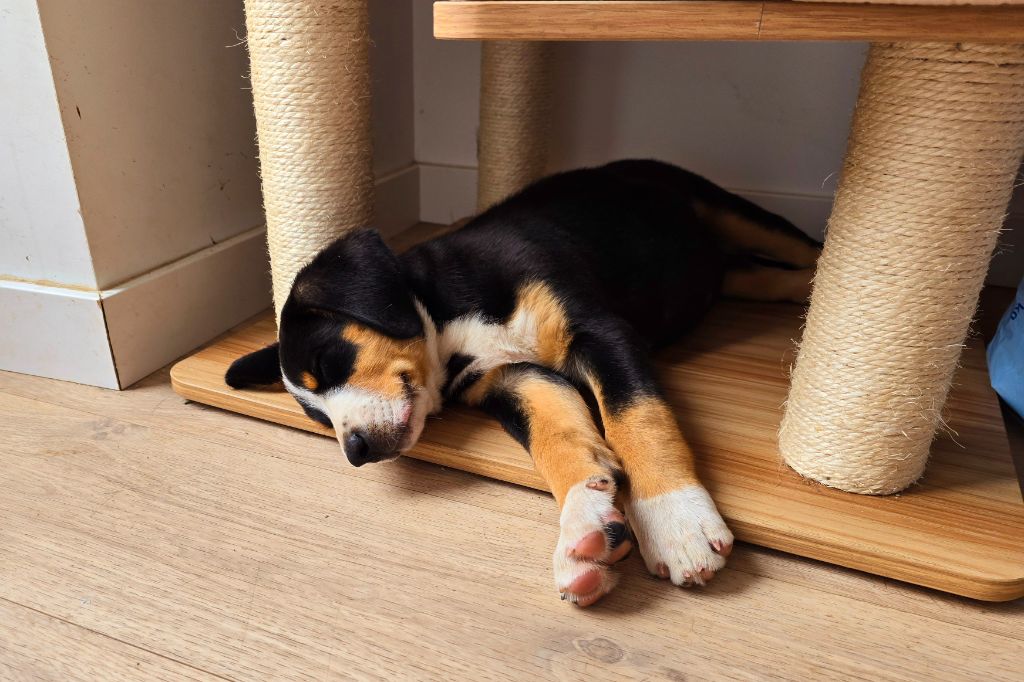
column 960, row 530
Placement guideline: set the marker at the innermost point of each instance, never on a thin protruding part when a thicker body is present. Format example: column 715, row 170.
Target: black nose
column 357, row 449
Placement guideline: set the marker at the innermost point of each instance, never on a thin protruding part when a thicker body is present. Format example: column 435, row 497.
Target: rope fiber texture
column 934, row 150
column 515, row 114
column 311, row 90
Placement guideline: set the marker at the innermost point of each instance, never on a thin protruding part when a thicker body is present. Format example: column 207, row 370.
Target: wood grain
column 960, row 530
column 38, row 647
column 746, row 20
column 151, row 528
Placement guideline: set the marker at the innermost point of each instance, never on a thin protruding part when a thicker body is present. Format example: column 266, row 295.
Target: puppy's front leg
column 545, row 413
column 681, row 535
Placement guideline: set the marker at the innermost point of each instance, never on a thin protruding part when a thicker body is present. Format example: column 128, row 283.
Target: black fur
column 617, row 533
column 456, row 363
column 508, row 410
column 610, row 241
column 358, row 277
column 261, row 368
column 311, row 342
column 624, row 247
column 316, row 415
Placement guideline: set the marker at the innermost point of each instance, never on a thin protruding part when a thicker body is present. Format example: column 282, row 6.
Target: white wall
column 40, row 226
column 768, row 120
column 159, row 125
column 44, row 328
column 129, row 186
column 133, row 210
column 391, row 74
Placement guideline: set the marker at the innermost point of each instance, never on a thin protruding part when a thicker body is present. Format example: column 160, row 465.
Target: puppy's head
column 352, row 350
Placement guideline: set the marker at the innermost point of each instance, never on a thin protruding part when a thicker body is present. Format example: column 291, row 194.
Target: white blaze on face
column 353, row 408
column 356, row 409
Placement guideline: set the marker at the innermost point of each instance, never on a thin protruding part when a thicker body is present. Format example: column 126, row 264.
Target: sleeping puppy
column 542, row 311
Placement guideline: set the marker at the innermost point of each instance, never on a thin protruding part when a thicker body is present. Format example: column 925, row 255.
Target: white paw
column 681, row 535
column 593, row 536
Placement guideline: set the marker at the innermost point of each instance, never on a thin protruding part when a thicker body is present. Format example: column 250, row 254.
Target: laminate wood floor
column 145, row 538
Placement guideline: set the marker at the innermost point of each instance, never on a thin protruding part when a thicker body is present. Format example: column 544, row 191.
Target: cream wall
column 130, row 213
column 768, row 120
column 159, row 126
column 38, row 202
column 129, row 187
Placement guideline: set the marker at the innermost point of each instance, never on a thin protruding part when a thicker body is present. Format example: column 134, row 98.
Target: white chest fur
column 490, row 344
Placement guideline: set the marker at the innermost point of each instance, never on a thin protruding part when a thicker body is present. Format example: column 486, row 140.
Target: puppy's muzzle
column 362, row 447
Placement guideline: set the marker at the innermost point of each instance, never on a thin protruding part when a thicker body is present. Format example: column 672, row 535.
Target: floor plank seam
column 115, row 639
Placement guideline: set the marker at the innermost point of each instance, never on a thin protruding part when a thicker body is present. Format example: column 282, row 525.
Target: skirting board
column 960, row 530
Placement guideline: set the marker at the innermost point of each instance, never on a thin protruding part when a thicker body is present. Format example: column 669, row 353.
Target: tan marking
column 475, row 393
column 647, row 439
column 564, row 441
column 769, row 284
column 381, row 360
column 309, row 381
column 565, row 444
column 553, row 334
column 750, row 235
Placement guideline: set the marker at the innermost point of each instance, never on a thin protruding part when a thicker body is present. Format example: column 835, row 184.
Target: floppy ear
column 260, row 368
column 359, row 276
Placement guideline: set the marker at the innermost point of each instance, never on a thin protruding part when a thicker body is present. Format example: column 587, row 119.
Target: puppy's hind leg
column 763, row 283
column 679, row 531
column 745, row 227
column 545, row 413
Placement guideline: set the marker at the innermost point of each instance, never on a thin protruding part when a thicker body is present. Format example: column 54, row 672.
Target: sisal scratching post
column 311, row 90
column 515, row 109
column 934, row 150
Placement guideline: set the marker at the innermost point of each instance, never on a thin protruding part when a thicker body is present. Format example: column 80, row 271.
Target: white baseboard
column 54, row 332
column 115, row 337
column 158, row 317
column 448, row 193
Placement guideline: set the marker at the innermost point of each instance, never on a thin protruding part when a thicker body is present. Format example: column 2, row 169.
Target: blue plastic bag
column 1006, row 355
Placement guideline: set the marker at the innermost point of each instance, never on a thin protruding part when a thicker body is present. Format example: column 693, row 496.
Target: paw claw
column 725, row 549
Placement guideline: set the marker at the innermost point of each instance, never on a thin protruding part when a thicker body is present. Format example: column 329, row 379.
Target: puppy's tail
column 743, row 228
column 747, row 230
column 770, row 258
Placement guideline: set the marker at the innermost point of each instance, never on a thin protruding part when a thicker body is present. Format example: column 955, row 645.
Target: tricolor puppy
column 542, row 311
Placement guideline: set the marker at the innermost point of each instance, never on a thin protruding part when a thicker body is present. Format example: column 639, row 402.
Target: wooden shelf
column 960, row 530
column 724, row 20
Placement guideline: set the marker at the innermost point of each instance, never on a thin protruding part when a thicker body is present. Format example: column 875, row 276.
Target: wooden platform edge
column 725, row 20
column 907, row 568
column 982, row 589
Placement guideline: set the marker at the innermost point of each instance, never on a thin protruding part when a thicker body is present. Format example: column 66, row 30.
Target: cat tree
column 934, row 150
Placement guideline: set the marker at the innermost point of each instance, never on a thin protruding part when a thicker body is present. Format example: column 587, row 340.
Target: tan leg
column 762, row 283
column 680, row 533
column 550, row 418
column 746, row 234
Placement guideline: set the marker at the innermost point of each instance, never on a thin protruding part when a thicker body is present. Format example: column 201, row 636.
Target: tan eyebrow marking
column 309, row 381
